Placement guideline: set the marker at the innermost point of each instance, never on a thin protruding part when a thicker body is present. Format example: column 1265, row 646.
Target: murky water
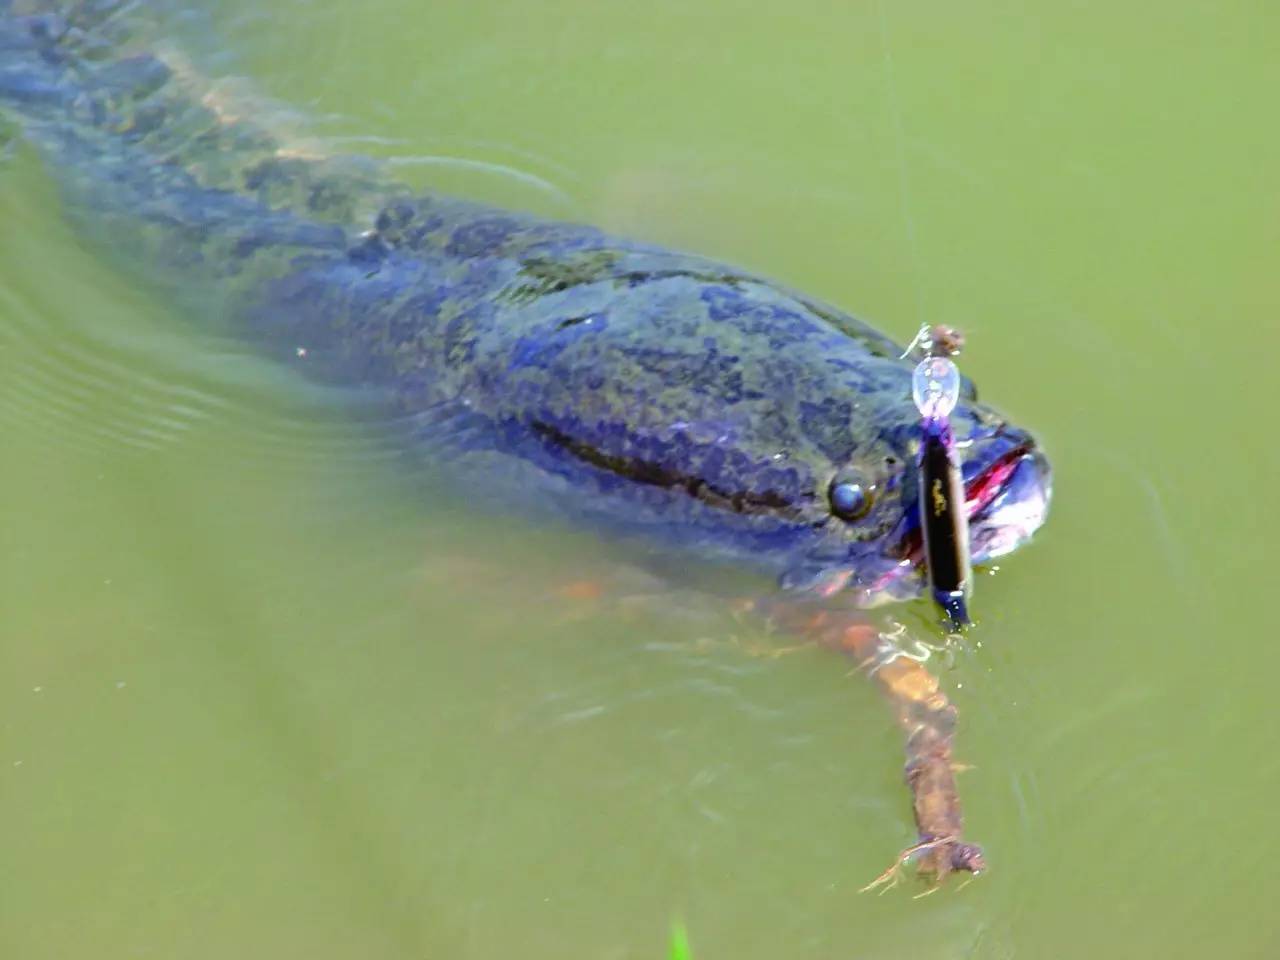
column 266, row 694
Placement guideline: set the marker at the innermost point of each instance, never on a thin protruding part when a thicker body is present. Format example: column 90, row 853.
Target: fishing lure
column 935, row 388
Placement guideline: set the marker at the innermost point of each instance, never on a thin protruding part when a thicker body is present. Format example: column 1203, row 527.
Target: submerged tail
column 170, row 173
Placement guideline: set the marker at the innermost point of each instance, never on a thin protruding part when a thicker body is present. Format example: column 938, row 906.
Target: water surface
column 268, row 693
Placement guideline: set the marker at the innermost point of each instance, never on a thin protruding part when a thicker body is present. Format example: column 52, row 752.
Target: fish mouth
column 1006, row 498
column 1008, row 502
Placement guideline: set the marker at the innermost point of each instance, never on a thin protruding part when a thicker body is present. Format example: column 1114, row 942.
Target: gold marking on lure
column 939, row 501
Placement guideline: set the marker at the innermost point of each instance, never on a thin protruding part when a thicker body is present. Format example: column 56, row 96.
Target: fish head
column 869, row 547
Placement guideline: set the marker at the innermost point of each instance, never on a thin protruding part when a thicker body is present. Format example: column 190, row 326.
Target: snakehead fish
column 639, row 391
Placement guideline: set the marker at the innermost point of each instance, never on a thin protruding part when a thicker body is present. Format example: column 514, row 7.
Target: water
column 266, row 694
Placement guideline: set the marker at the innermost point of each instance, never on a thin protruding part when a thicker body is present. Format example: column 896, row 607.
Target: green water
column 264, row 697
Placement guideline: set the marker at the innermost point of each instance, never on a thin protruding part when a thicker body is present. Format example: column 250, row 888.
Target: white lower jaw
column 1008, row 521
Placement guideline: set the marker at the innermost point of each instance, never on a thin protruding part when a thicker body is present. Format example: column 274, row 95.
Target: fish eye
column 849, row 500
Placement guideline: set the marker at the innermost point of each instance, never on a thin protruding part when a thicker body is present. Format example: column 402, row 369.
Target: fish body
column 636, row 389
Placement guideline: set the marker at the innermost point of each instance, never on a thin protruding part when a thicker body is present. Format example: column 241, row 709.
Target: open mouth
column 983, row 489
column 1007, row 511
column 1006, row 502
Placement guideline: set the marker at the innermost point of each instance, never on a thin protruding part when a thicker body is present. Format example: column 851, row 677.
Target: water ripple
column 115, row 388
